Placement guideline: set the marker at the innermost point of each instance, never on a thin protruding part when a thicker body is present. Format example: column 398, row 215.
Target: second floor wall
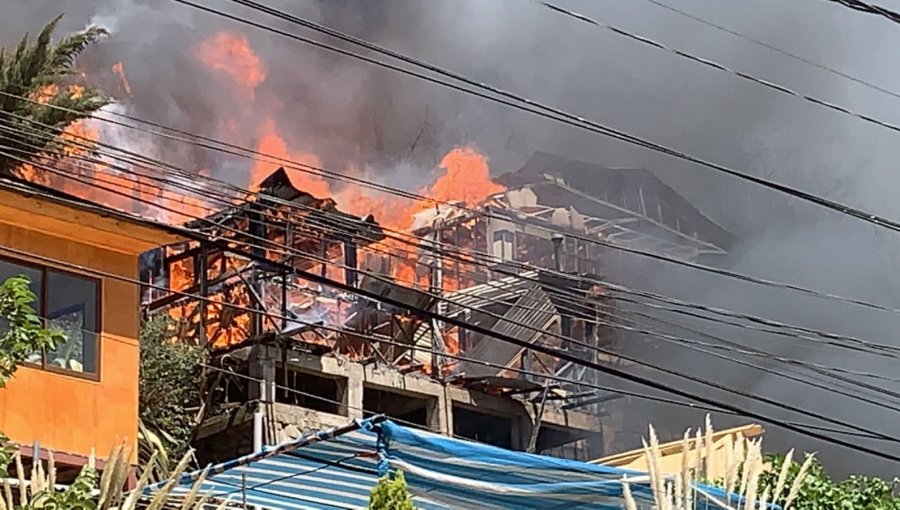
column 83, row 396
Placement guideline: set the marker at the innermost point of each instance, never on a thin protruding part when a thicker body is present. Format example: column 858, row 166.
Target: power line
column 775, row 49
column 826, row 371
column 567, row 356
column 677, row 311
column 715, row 65
column 699, row 347
column 741, row 349
column 859, row 5
column 684, row 340
column 550, row 228
column 389, row 341
column 330, row 174
column 531, row 106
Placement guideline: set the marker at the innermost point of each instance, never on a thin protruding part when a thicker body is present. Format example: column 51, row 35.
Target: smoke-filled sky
column 396, row 128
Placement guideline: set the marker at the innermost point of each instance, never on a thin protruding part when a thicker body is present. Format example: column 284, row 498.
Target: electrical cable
column 683, row 340
column 740, row 349
column 536, row 107
column 334, row 175
column 859, row 5
column 826, row 371
column 699, row 347
column 714, row 310
column 577, row 304
column 775, row 49
column 456, row 357
column 715, row 65
column 562, row 354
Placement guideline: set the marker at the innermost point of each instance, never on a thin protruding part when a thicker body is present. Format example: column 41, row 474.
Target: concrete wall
column 288, row 421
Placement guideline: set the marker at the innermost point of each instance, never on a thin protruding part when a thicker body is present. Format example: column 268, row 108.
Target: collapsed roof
column 284, row 215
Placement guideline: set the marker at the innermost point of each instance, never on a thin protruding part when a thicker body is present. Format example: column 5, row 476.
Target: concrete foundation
column 326, row 391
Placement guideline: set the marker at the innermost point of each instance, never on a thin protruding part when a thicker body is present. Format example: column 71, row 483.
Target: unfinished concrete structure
column 310, row 322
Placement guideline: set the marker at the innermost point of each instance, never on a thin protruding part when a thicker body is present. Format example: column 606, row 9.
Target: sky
column 395, row 129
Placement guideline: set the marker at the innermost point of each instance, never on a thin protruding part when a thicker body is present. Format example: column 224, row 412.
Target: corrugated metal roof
column 478, row 296
column 338, row 472
column 526, row 320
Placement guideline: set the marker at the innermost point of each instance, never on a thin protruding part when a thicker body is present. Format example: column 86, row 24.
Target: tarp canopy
column 339, row 467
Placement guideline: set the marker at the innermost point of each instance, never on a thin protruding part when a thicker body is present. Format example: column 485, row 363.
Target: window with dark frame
column 69, row 303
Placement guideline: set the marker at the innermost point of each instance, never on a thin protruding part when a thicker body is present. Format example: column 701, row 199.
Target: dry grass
column 106, row 491
column 744, row 467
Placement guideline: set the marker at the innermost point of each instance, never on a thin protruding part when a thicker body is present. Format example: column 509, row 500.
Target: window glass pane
column 72, row 308
column 9, row 269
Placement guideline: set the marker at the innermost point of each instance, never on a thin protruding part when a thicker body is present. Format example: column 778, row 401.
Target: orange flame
column 230, row 54
column 272, row 144
column 119, row 69
column 80, row 173
column 47, row 93
column 466, row 179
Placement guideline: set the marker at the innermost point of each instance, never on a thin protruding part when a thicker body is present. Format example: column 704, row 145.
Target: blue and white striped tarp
column 322, row 471
column 336, row 469
column 468, row 475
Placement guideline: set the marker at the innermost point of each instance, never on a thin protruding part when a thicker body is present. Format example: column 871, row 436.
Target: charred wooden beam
column 257, row 230
column 204, row 291
column 189, row 253
column 350, row 271
column 187, row 294
column 591, row 401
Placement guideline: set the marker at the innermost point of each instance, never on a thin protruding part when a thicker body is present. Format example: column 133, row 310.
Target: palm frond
column 63, row 55
column 26, row 75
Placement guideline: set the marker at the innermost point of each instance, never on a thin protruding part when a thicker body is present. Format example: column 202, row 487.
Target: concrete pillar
column 597, row 445
column 353, row 397
column 521, row 428
column 443, row 413
column 262, row 373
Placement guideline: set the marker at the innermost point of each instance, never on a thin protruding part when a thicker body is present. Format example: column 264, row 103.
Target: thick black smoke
column 349, row 112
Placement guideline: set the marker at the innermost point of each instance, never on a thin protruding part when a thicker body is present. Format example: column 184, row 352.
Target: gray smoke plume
column 348, row 112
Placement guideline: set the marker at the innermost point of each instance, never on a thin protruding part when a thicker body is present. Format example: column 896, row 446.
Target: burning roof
column 281, row 215
column 282, row 224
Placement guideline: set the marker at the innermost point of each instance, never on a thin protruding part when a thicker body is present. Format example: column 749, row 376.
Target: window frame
column 42, row 312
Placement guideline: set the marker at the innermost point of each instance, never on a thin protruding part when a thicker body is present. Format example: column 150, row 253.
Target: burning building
column 313, row 316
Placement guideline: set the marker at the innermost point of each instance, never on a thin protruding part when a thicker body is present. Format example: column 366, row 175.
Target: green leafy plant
column 28, row 98
column 24, row 334
column 170, row 397
column 391, row 494
column 819, row 491
column 6, row 455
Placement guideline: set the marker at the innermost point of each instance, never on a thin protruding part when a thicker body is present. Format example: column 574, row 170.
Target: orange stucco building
column 83, row 263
